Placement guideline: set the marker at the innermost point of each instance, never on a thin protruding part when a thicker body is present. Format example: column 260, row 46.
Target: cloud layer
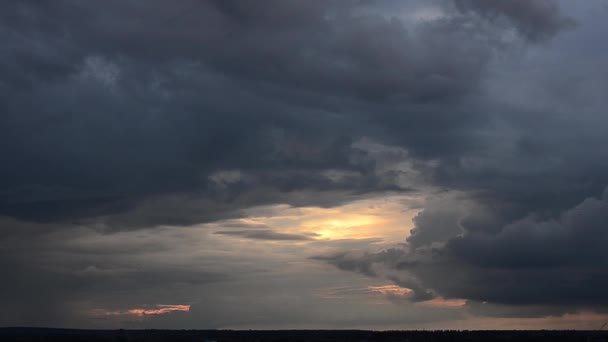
column 195, row 146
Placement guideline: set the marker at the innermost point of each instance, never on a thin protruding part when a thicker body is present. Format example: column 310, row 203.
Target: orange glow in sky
column 382, row 217
column 444, row 303
column 390, row 290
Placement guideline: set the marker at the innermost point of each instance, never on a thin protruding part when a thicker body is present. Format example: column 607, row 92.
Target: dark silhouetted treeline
column 68, row 335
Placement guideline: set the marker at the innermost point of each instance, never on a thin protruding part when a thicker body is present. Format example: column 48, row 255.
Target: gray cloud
column 535, row 19
column 547, row 265
column 126, row 110
column 124, row 118
column 347, row 262
column 265, row 234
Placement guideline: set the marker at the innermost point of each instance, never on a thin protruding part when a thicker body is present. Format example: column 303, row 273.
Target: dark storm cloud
column 535, row 19
column 545, row 265
column 561, row 260
column 108, row 106
column 127, row 115
column 265, row 234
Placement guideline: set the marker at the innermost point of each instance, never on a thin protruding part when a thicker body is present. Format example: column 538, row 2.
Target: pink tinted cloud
column 160, row 309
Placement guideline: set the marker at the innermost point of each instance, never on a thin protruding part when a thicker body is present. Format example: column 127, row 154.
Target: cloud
column 156, row 109
column 265, row 234
column 536, row 20
column 161, row 309
column 131, row 132
column 347, row 262
column 542, row 265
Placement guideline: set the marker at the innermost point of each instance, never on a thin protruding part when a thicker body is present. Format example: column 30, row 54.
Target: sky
column 282, row 164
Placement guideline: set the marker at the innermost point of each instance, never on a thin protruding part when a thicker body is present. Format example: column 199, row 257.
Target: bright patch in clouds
column 445, row 303
column 159, row 309
column 387, row 217
column 392, row 290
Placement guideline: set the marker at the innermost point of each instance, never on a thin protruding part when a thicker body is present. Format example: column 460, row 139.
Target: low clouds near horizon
column 294, row 164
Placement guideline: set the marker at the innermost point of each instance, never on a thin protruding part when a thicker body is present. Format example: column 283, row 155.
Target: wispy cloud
column 266, row 234
column 160, row 309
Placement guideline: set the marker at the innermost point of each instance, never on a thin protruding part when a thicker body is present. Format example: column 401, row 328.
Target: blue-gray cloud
column 123, row 116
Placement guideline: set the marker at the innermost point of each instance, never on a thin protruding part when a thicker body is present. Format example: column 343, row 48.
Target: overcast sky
column 369, row 164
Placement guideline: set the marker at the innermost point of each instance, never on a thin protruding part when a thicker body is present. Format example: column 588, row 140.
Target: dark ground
column 42, row 334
